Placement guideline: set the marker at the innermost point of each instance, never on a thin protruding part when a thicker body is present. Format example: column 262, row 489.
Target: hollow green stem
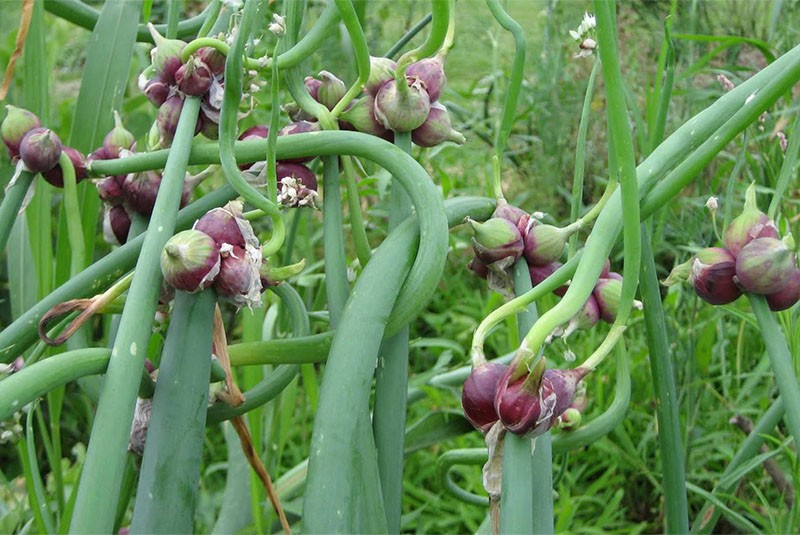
column 76, row 244
column 515, row 80
column 781, row 359
column 359, row 42
column 168, row 483
column 518, row 304
column 578, row 175
column 337, row 287
column 105, row 459
column 85, row 16
column 227, row 132
column 440, row 21
column 408, row 36
column 667, row 413
column 620, row 132
column 526, row 502
column 272, row 135
column 211, row 16
column 173, row 16
column 11, row 204
column 357, row 227
column 466, row 456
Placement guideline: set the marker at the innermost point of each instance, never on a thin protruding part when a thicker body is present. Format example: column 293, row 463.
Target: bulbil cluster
column 388, row 106
column 169, row 80
column 38, row 148
column 754, row 258
column 222, row 250
column 527, row 404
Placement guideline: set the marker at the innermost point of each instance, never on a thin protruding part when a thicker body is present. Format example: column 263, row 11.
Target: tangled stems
column 105, row 459
column 227, row 133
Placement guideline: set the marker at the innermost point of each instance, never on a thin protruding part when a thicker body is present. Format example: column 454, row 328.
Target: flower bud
column 117, row 139
column 750, row 224
column 495, row 239
column 510, row 212
column 226, row 225
column 477, row 397
column 40, row 150
column 331, row 90
column 608, row 293
column 570, row 419
column 712, row 272
column 361, row 115
column 297, row 185
column 17, row 123
column 586, row 318
column 213, row 58
column 157, row 91
column 116, row 225
column 166, row 56
column 381, row 71
column 312, row 86
column 543, row 243
column 194, row 77
column 110, row 190
column 765, row 265
column 478, row 267
column 529, row 407
column 788, row 295
column 167, row 119
column 540, row 273
column 141, row 190
column 190, row 261
column 436, row 129
column 431, row 72
column 56, row 177
column 239, row 280
column 402, row 111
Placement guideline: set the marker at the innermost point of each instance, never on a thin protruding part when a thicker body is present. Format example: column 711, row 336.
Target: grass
column 721, row 367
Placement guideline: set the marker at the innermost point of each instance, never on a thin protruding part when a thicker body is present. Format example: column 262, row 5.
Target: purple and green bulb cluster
column 753, row 259
column 38, row 148
column 384, row 108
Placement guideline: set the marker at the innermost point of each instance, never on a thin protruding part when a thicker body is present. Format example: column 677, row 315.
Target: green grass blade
column 167, row 494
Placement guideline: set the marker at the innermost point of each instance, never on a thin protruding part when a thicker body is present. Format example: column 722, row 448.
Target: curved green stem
column 74, row 228
column 515, row 80
column 227, row 132
column 620, row 132
column 359, row 41
column 85, row 16
column 105, row 459
column 408, row 36
column 440, row 13
column 12, row 202
column 311, row 41
column 444, row 465
column 212, row 14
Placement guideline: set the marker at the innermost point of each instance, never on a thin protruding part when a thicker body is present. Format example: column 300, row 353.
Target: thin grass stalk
column 526, row 501
column 102, row 474
column 337, row 287
column 168, row 483
column 37, row 496
column 781, row 360
column 708, row 516
column 391, row 383
column 667, row 405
